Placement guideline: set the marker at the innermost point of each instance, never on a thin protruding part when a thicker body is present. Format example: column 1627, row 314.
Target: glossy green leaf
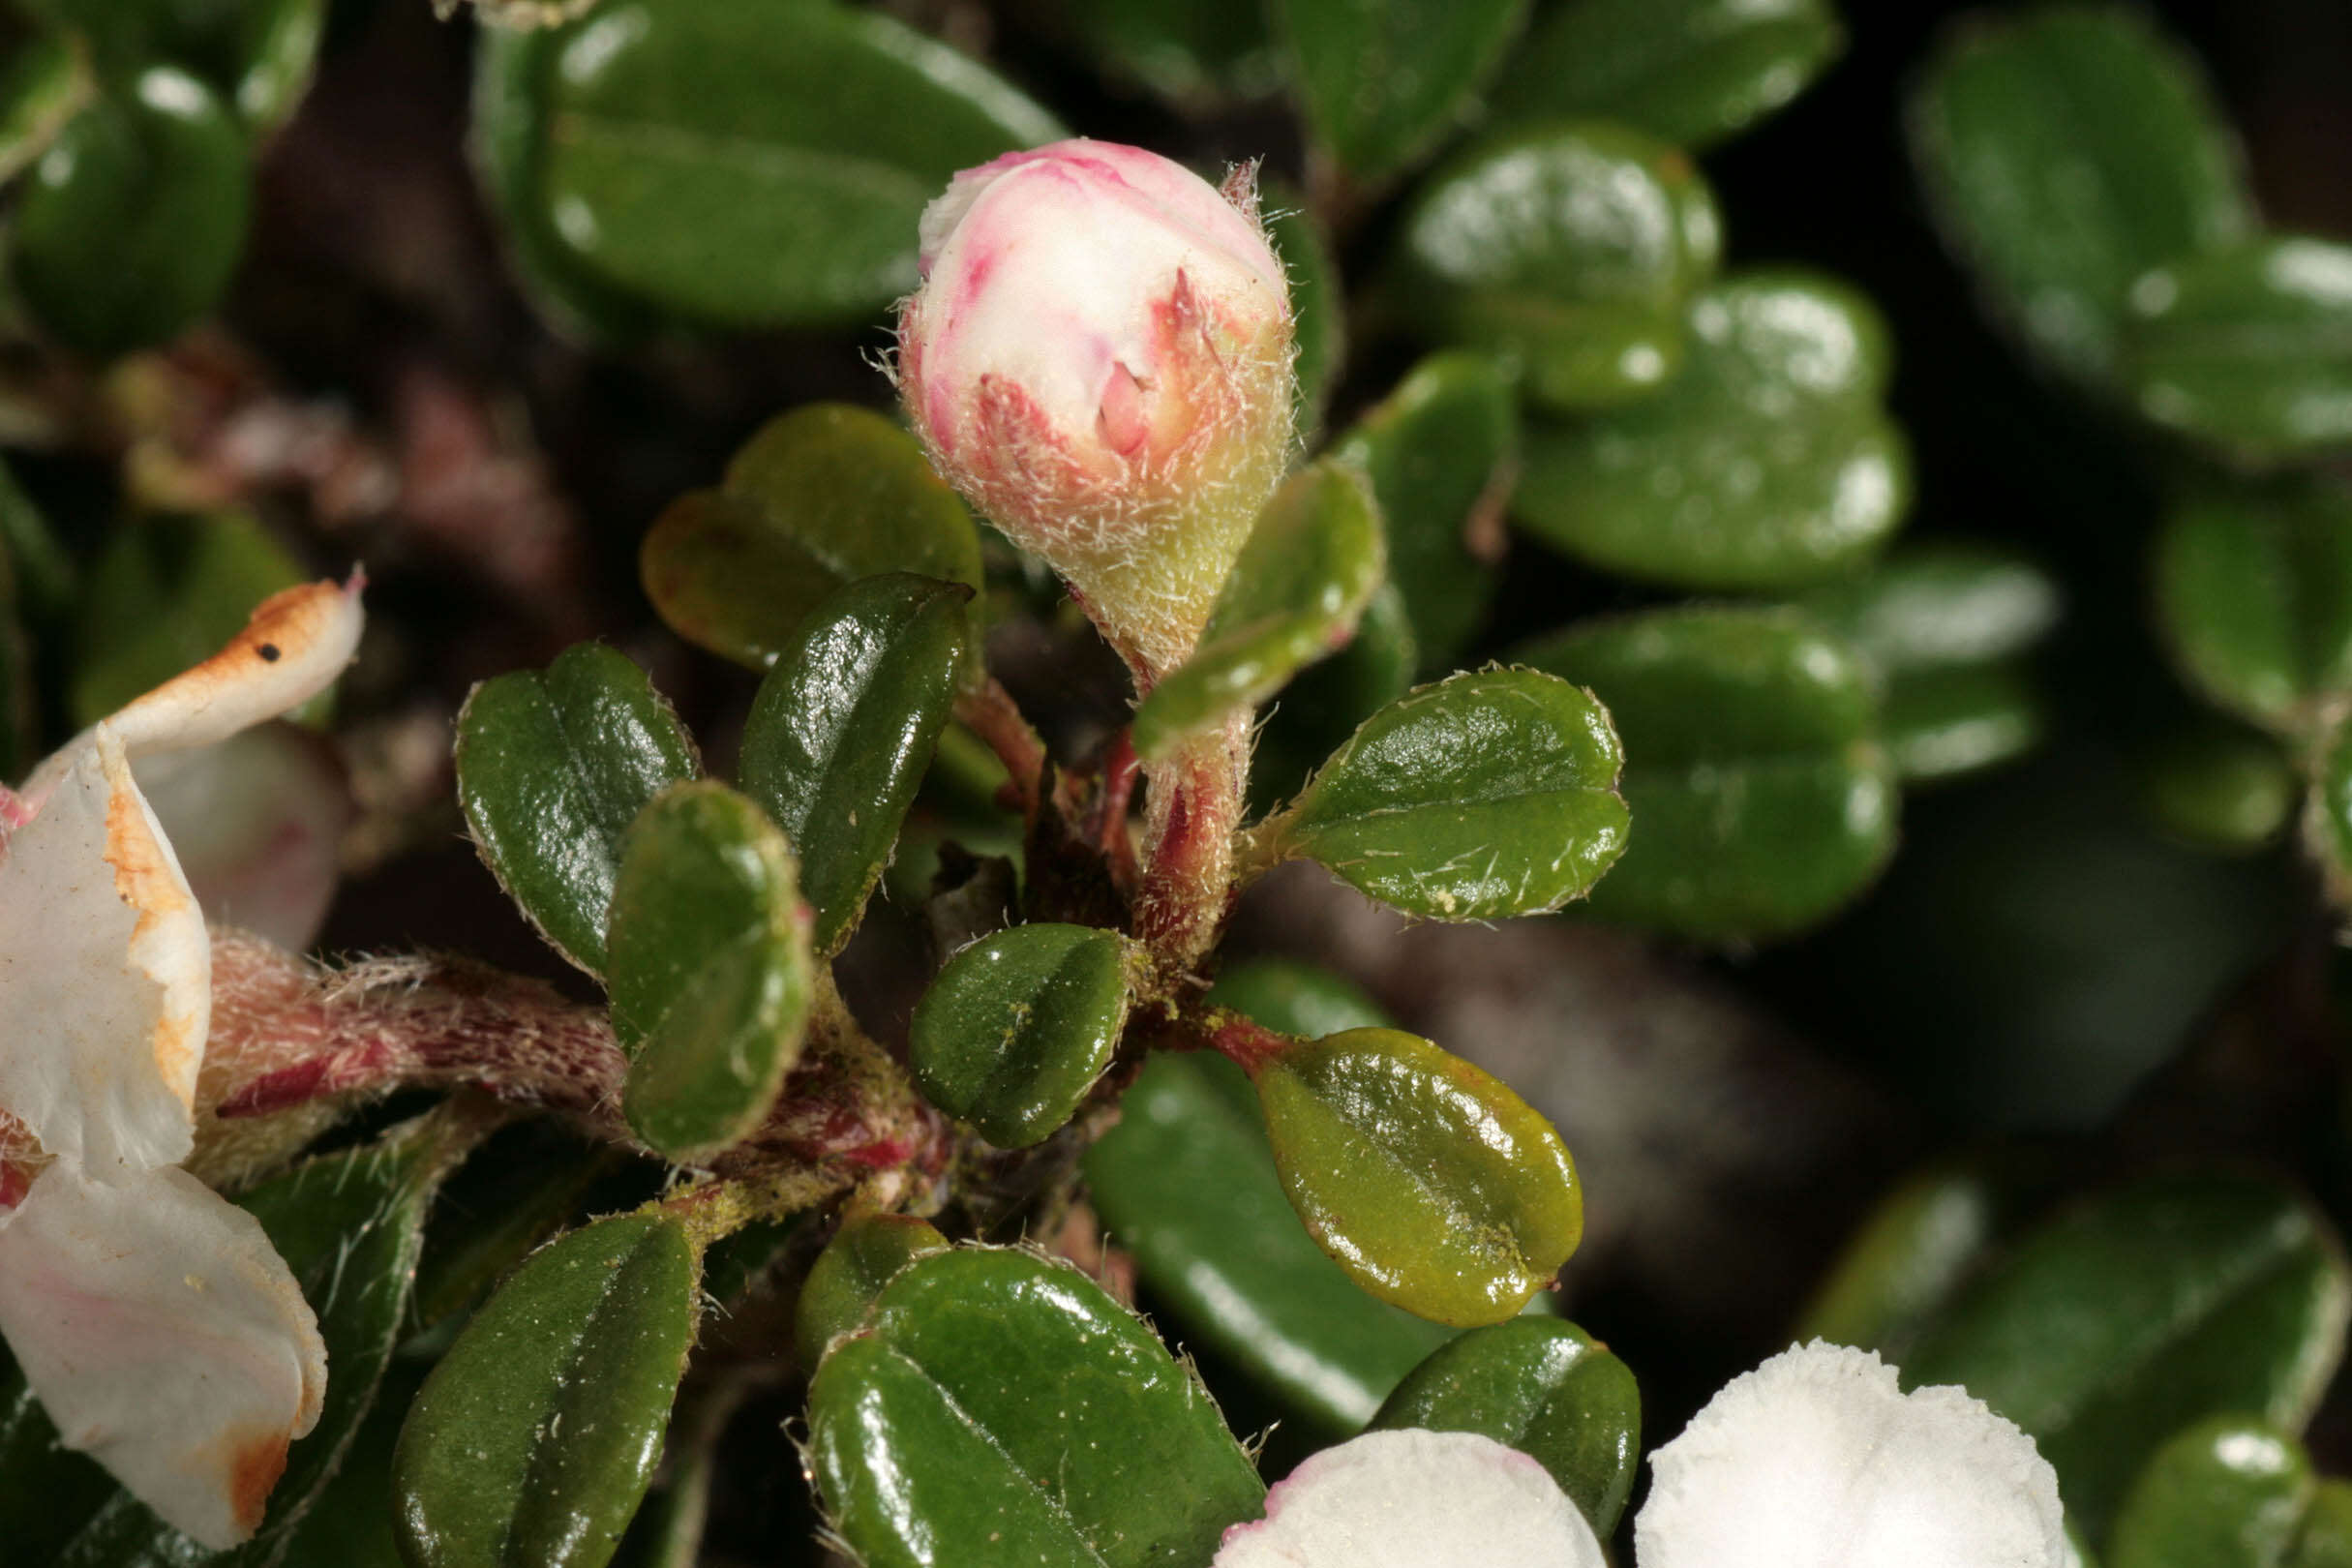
column 1940, row 724
column 44, row 83
column 1186, row 1185
column 2253, row 592
column 1766, row 464
column 1909, row 1255
column 514, row 74
column 165, row 594
column 1185, row 49
column 710, row 970
column 2326, row 1541
column 552, row 768
column 749, row 167
column 534, row 1439
column 349, row 1225
column 520, row 1188
column 1018, row 1026
column 257, row 55
column 2223, row 788
column 1439, row 450
column 1330, row 700
column 1935, row 605
column 1321, row 329
column 1566, row 249
column 843, row 727
column 1488, row 793
column 1689, row 71
column 2227, row 1492
column 130, row 225
column 1379, row 85
column 1429, row 1181
column 2066, row 150
column 1003, row 1412
column 1544, row 1388
column 1761, row 796
column 2185, row 1295
column 1310, row 566
column 864, row 1256
column 2249, row 350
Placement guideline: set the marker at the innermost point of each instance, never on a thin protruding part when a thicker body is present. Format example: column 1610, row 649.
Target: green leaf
column 552, row 768
column 46, row 83
column 1316, row 286
column 847, row 1278
column 1379, row 85
column 1018, row 1026
column 133, row 221
column 1328, row 701
column 166, row 593
column 2328, row 817
column 2067, row 151
column 534, row 1439
column 748, row 166
column 1185, row 50
column 257, row 55
column 1003, row 1412
column 2253, row 591
column 1943, row 723
column 1689, row 71
column 1909, row 1255
column 514, row 73
column 1488, row 793
column 1429, row 1182
column 2184, row 1295
column 711, row 977
column 1767, row 464
column 2326, row 1541
column 52, row 1491
column 1761, row 796
column 2227, row 1492
column 1439, row 450
column 1186, row 1185
column 843, row 727
column 2249, row 350
column 1311, row 561
column 821, row 496
column 2232, row 789
column 524, row 1184
column 1567, row 249
column 1544, row 1388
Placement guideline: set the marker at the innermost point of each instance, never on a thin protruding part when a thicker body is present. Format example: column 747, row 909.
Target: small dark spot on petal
column 268, row 653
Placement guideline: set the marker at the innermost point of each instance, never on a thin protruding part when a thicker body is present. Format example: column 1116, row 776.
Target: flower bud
column 1099, row 359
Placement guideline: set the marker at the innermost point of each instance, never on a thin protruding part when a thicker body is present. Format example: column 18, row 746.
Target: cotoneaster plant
column 1419, row 533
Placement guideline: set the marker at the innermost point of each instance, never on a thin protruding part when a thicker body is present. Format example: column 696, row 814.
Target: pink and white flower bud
column 1099, row 359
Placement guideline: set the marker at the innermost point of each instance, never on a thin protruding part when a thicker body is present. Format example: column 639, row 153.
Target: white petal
column 105, row 975
column 1415, row 1499
column 165, row 1338
column 1818, row 1460
column 292, row 648
column 258, row 823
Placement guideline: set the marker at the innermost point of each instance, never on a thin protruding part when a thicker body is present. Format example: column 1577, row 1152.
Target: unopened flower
column 160, row 1331
column 1814, row 1460
column 1098, row 357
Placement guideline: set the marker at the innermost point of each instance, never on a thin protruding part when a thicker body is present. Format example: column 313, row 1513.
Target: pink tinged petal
column 166, row 1340
column 258, row 823
column 1415, row 1499
column 1818, row 1460
column 105, row 974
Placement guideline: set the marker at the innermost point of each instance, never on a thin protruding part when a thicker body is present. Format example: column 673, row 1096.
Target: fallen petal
column 1818, row 1460
column 106, row 975
column 165, row 1338
column 1415, row 1499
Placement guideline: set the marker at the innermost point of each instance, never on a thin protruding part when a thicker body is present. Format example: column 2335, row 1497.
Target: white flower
column 163, row 1334
column 1814, row 1460
column 1099, row 357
